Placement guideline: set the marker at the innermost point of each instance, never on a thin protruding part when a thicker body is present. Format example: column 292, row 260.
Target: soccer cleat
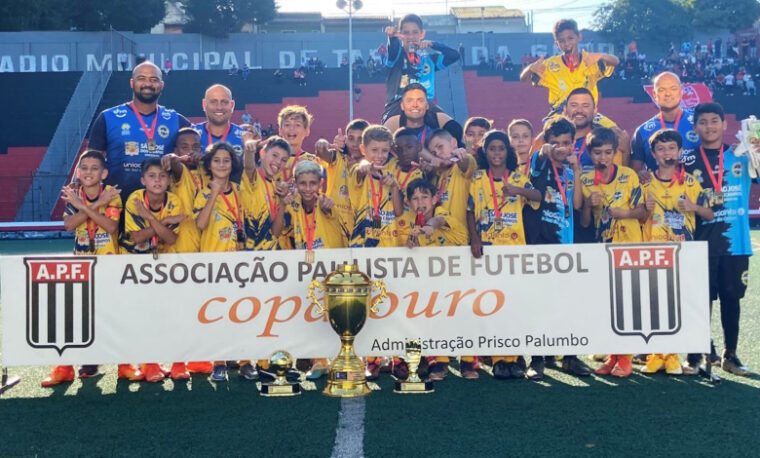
column 233, row 365
column 550, row 362
column 673, row 364
column 733, row 365
column 468, row 371
column 400, row 369
column 623, row 368
column 640, row 359
column 89, row 371
column 129, row 372
column 59, row 374
column 535, row 371
column 606, row 368
column 438, row 371
column 219, row 373
column 690, row 368
column 179, row 372
column 655, row 363
column 574, row 366
column 248, row 372
column 515, row 371
column 501, row 370
column 200, row 367
column 153, row 373
column 599, row 358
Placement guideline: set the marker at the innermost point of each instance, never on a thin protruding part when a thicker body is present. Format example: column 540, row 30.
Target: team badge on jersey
column 131, row 148
column 163, row 131
column 645, row 293
column 60, row 304
column 126, row 130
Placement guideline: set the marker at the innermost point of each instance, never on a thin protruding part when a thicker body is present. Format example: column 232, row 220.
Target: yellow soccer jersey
column 511, row 230
column 667, row 223
column 188, row 237
column 397, row 233
column 328, row 232
column 221, row 233
column 366, row 227
column 259, row 202
column 623, row 191
column 133, row 222
column 335, row 187
column 454, row 188
column 560, row 81
column 403, row 178
column 103, row 242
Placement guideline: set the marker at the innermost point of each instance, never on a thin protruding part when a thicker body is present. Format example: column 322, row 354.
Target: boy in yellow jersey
column 263, row 190
column 375, row 195
column 334, row 183
column 612, row 202
column 405, row 164
column 423, row 224
column 498, row 193
column 219, row 213
column 294, row 123
column 308, row 219
column 186, row 181
column 672, row 198
column 92, row 212
column 454, row 170
column 572, row 69
column 151, row 223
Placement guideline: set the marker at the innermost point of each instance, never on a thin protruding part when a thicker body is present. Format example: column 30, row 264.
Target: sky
column 545, row 12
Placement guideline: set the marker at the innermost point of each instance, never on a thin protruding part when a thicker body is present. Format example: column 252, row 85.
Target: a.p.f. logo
column 645, row 295
column 60, row 305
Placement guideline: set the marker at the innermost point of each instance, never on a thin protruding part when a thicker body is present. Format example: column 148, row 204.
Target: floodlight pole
column 350, row 61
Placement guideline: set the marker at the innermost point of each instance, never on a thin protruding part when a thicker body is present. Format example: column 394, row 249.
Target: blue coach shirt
column 234, row 137
column 640, row 149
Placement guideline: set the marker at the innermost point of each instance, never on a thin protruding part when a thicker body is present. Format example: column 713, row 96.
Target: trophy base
column 272, row 390
column 346, row 389
column 404, row 387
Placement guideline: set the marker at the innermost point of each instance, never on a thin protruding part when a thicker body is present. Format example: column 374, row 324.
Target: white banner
column 529, row 300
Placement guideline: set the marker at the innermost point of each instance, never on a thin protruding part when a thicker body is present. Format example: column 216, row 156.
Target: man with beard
column 136, row 130
column 219, row 105
column 416, row 115
column 667, row 96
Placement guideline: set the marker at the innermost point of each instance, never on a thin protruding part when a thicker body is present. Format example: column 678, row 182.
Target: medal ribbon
column 560, row 188
column 289, row 173
column 402, row 184
column 675, row 124
column 270, row 202
column 91, row 226
column 598, row 179
column 377, row 197
column 235, row 210
column 222, row 139
column 154, row 239
column 717, row 183
column 496, row 205
column 310, row 228
column 148, row 132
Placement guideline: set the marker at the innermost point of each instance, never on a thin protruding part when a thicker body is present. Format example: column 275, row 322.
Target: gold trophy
column 413, row 384
column 347, row 301
column 279, row 363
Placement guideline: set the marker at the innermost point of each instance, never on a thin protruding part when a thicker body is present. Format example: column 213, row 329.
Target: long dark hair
column 511, row 161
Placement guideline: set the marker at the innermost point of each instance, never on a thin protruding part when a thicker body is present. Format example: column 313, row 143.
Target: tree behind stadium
column 87, row 15
column 219, row 18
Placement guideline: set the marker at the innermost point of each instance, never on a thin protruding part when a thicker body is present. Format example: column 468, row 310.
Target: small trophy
column 279, row 363
column 347, row 304
column 413, row 384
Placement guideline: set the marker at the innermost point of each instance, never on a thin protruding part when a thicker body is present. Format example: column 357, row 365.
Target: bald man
column 136, row 130
column 667, row 96
column 219, row 105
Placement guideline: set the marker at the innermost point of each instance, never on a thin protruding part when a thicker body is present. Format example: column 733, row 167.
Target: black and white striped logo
column 60, row 302
column 645, row 296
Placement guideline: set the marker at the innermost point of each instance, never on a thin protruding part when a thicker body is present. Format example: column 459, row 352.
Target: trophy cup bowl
column 413, row 384
column 279, row 363
column 347, row 302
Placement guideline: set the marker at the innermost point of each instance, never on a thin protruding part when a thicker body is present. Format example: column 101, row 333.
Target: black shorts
column 729, row 276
